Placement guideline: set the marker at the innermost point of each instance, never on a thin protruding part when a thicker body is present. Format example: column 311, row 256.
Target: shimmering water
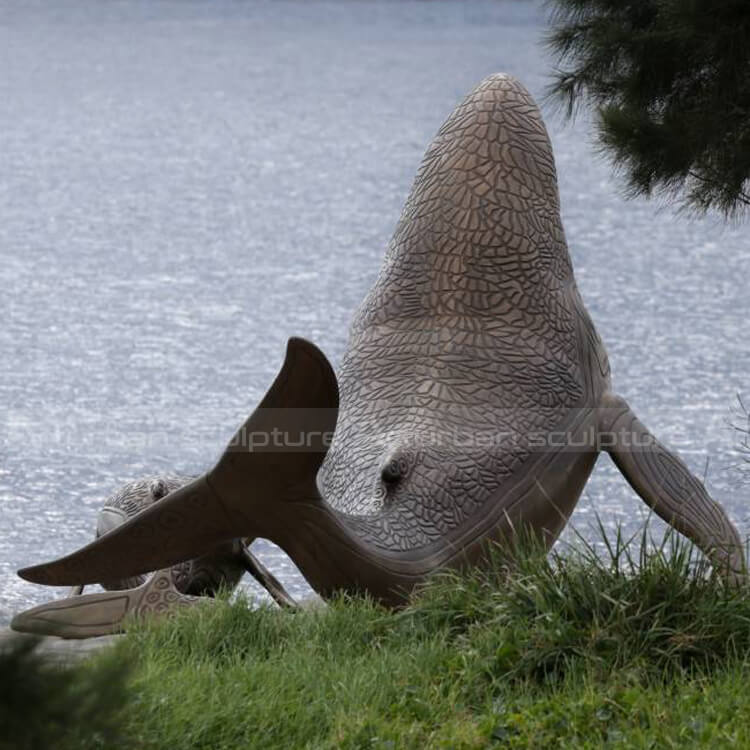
column 183, row 185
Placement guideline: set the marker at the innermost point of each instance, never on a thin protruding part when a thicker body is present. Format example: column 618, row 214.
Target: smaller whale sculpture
column 181, row 585
column 473, row 400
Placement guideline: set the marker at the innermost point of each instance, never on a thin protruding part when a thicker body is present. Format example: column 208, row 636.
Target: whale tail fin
column 275, row 455
column 107, row 613
column 667, row 486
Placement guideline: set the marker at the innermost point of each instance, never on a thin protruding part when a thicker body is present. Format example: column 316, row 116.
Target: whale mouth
column 239, row 497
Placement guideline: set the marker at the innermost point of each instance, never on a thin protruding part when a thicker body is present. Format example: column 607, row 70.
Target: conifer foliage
column 669, row 81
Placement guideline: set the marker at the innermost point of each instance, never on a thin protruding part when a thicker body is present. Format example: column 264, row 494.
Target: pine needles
column 670, row 83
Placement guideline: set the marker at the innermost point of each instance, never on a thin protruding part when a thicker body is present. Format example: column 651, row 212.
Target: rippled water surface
column 183, row 185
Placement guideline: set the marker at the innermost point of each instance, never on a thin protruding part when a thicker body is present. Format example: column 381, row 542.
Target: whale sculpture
column 180, row 585
column 472, row 401
column 220, row 568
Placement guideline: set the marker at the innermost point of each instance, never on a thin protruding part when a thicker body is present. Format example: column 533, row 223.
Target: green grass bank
column 573, row 650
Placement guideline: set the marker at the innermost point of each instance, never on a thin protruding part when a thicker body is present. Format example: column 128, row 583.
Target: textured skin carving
column 220, row 568
column 162, row 595
column 124, row 503
column 666, row 484
column 201, row 576
column 471, row 331
column 473, row 398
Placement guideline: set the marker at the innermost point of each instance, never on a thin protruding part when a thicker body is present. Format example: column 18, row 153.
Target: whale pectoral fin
column 282, row 444
column 667, row 486
column 93, row 615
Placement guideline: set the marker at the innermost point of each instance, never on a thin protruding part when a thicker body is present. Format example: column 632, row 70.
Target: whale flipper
column 667, row 486
column 92, row 615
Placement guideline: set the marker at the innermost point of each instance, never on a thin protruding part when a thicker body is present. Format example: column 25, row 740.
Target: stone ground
column 60, row 650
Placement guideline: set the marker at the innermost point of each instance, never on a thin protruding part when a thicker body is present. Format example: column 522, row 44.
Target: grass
column 626, row 649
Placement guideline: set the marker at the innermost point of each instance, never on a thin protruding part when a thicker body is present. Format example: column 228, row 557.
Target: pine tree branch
column 671, row 76
column 741, row 197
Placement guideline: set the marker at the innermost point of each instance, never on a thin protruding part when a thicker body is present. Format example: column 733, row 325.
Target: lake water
column 183, row 185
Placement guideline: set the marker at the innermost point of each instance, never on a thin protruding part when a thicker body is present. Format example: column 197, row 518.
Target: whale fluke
column 284, row 438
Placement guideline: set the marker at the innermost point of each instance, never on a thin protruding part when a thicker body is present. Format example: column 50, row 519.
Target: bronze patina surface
column 472, row 401
column 93, row 615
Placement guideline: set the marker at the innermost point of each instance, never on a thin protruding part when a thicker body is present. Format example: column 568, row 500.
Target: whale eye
column 159, row 489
